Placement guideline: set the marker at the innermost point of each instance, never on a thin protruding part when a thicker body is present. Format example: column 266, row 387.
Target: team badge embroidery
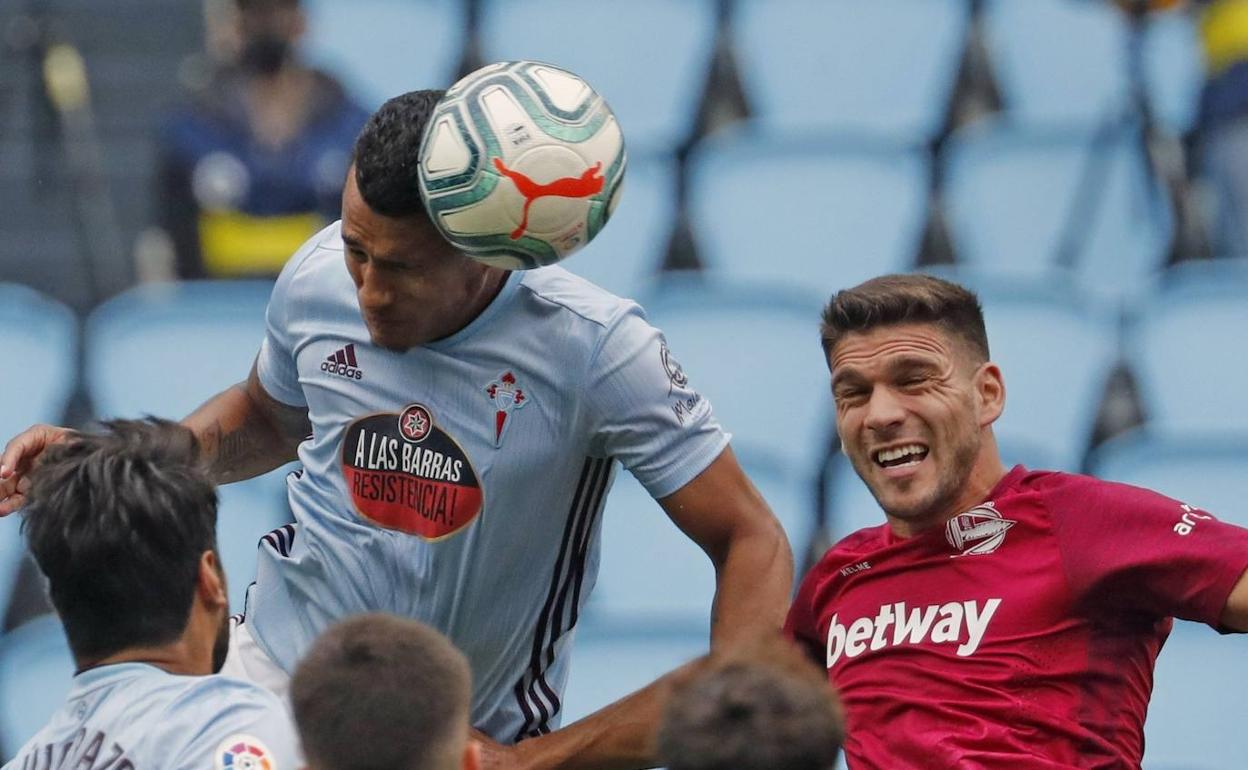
column 675, row 372
column 978, row 531
column 507, row 396
column 244, row 752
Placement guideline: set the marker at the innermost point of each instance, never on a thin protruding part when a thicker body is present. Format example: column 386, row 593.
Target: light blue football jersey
column 133, row 716
column 460, row 483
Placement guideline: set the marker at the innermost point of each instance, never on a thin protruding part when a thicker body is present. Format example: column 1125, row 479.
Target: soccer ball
column 521, row 164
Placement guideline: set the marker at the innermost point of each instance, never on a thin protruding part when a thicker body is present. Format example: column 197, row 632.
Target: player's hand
column 19, row 456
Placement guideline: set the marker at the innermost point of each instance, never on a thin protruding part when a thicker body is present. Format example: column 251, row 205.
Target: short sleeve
column 800, row 625
column 643, row 409
column 1128, row 548
column 275, row 365
column 251, row 726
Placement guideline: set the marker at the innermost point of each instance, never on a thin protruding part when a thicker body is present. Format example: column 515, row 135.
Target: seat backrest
column 882, row 68
column 36, row 670
column 164, row 349
column 816, row 218
column 648, row 58
column 41, row 347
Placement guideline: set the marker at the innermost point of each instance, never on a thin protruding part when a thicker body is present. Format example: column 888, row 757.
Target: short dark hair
column 119, row 520
column 899, row 299
column 387, row 154
column 769, row 708
column 378, row 692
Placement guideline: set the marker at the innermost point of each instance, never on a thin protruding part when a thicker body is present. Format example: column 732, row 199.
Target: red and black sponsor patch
column 404, row 472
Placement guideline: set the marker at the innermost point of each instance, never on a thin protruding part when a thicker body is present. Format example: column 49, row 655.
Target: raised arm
column 722, row 512
column 244, row 432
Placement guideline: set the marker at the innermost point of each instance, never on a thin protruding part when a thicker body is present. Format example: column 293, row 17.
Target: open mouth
column 900, row 456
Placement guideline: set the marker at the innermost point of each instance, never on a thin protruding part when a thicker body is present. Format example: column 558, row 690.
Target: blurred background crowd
column 1083, row 164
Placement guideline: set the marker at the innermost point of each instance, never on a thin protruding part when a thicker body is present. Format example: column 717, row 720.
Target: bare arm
column 244, row 432
column 1235, row 616
column 722, row 512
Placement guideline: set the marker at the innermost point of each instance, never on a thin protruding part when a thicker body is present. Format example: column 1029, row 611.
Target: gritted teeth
column 902, row 455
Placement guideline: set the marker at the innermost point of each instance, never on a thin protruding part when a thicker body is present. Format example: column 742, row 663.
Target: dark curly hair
column 387, row 154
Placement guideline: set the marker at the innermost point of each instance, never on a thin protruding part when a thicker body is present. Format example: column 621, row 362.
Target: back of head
column 118, row 521
column 900, row 299
column 387, row 154
column 377, row 692
column 767, row 708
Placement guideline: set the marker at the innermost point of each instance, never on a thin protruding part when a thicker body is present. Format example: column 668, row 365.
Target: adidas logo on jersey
column 895, row 625
column 343, row 364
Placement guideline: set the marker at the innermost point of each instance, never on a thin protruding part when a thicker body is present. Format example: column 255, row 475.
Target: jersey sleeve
column 800, row 623
column 643, row 410
column 275, row 365
column 247, row 723
column 1127, row 548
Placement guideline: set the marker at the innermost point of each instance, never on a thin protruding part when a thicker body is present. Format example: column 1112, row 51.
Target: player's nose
column 884, row 410
column 375, row 293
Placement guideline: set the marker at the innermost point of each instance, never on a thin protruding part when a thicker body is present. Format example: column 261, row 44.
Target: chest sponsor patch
column 956, row 623
column 404, row 472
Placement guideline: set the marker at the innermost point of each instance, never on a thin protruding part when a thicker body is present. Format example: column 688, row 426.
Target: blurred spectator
column 254, row 165
column 1223, row 120
column 759, row 708
column 379, row 692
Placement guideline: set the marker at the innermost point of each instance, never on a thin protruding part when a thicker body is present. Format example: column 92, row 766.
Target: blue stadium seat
column 607, row 666
column 1174, row 69
column 881, row 68
column 755, row 354
column 1196, row 717
column 625, row 257
column 648, row 58
column 35, row 672
column 41, row 348
column 382, row 48
column 1059, row 62
column 1207, row 472
column 817, row 218
column 164, row 349
column 1187, row 350
column 1012, row 195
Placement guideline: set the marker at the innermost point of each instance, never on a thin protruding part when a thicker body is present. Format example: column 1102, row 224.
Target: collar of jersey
column 937, row 534
column 94, row 677
column 483, row 319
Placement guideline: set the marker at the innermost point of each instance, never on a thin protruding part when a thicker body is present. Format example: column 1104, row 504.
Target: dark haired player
column 123, row 523
column 458, row 426
column 999, row 618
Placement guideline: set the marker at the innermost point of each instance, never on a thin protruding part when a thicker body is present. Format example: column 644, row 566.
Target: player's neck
column 180, row 658
column 986, row 473
column 487, row 286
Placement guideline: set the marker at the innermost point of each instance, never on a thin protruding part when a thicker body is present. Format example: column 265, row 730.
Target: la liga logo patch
column 244, row 752
column 404, row 472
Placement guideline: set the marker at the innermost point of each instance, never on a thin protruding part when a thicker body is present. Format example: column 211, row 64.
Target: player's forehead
column 410, row 240
column 878, row 350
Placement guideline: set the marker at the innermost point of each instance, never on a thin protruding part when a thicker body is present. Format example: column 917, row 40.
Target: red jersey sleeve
column 799, row 624
column 1132, row 550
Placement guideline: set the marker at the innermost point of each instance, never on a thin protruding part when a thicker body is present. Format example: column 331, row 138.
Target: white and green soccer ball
column 521, row 164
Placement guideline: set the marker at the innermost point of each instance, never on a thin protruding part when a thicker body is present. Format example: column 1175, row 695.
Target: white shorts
column 246, row 660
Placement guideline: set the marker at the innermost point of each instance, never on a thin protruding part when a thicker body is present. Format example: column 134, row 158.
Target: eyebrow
column 902, row 363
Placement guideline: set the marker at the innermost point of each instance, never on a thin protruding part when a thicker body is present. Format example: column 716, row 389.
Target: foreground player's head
column 123, row 523
column 763, row 708
column 377, row 692
column 413, row 286
column 915, row 395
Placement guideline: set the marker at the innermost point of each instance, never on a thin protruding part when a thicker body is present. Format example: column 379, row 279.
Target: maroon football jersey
column 1023, row 633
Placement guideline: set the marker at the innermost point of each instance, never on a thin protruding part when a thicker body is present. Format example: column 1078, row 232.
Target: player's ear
column 472, row 755
column 990, row 387
column 210, row 584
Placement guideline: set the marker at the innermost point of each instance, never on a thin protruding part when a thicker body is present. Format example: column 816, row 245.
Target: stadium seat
column 410, row 44
column 1207, row 472
column 1059, row 62
column 755, row 355
column 625, row 257
column 1013, row 195
column 1196, row 717
column 163, row 350
column 1174, row 69
column 1187, row 350
column 41, row 346
column 812, row 217
column 35, row 672
column 651, row 572
column 607, row 666
column 648, row 58
column 882, row 68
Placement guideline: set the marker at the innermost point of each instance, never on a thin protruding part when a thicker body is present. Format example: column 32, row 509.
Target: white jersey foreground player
column 458, row 426
column 123, row 525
